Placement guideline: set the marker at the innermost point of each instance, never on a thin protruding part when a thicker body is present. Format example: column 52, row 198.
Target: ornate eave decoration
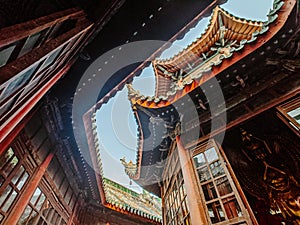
column 130, row 167
column 222, row 27
column 142, row 204
column 107, row 185
column 222, row 47
column 203, row 59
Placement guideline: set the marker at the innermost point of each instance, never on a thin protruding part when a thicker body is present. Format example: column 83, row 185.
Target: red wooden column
column 194, row 201
column 28, row 192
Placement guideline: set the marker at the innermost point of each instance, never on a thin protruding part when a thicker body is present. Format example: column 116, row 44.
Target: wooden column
column 28, row 192
column 74, row 210
column 195, row 204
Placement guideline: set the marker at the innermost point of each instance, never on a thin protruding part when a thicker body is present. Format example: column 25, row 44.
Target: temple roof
column 227, row 38
column 142, row 204
column 223, row 29
column 245, row 50
column 115, row 196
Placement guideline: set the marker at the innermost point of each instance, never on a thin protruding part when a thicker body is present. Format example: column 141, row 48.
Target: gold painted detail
column 280, row 183
column 130, row 167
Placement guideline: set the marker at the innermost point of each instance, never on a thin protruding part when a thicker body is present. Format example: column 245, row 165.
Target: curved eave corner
column 210, row 68
column 212, row 30
column 133, row 169
column 95, row 149
column 102, row 181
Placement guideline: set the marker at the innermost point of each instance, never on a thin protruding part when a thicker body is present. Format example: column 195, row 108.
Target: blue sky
column 116, row 125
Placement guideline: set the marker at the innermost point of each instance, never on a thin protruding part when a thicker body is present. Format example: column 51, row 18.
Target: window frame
column 174, row 194
column 201, row 148
column 284, row 109
column 9, row 182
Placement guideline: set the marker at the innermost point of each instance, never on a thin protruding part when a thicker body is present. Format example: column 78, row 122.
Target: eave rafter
column 222, row 26
column 107, row 187
column 245, row 37
column 170, row 88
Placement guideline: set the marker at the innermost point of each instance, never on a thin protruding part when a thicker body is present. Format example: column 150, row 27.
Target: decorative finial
column 130, row 167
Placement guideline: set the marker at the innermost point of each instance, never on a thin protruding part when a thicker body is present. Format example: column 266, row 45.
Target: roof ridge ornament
column 130, row 167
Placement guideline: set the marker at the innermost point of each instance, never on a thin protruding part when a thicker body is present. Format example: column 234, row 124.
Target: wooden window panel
column 50, row 214
column 40, row 202
column 18, row 175
column 29, row 44
column 10, row 166
column 26, row 215
column 68, row 195
column 51, row 57
column 22, row 179
column 72, row 202
column 35, row 196
column 6, row 107
column 63, row 222
column 5, row 53
column 216, row 212
column 53, row 168
column 59, row 179
column 289, row 113
column 54, row 30
column 54, row 217
column 33, row 218
column 223, row 186
column 64, row 186
column 58, row 219
column 13, row 85
column 9, row 200
column 175, row 196
column 6, row 157
column 42, row 37
column 46, row 34
column 13, row 177
column 232, row 208
column 5, row 195
column 38, row 209
column 223, row 204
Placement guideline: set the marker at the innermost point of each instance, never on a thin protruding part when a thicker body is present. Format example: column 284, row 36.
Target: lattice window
column 222, row 202
column 289, row 113
column 61, row 182
column 40, row 211
column 13, row 177
column 175, row 201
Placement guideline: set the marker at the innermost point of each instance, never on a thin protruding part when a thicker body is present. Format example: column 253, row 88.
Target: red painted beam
column 9, row 125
